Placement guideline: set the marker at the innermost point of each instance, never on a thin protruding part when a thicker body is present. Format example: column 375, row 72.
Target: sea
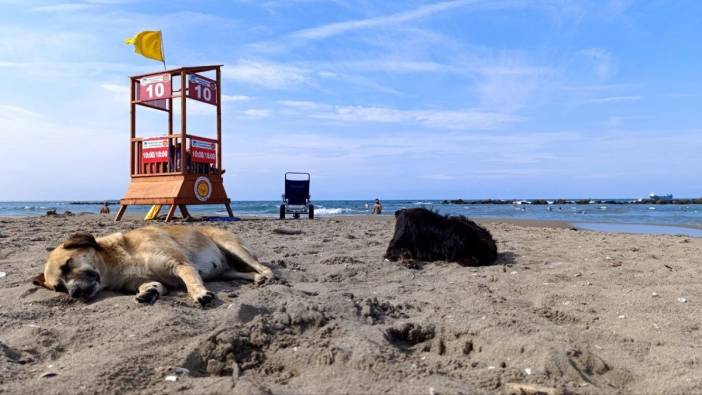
column 643, row 214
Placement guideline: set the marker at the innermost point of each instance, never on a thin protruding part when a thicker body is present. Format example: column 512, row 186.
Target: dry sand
column 577, row 311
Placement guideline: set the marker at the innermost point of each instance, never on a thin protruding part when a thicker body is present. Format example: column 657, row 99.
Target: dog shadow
column 62, row 299
column 224, row 291
column 506, row 258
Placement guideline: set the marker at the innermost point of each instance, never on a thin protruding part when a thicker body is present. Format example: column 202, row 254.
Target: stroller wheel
column 311, row 212
column 282, row 211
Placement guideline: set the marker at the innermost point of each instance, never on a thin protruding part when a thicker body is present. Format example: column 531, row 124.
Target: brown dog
column 148, row 261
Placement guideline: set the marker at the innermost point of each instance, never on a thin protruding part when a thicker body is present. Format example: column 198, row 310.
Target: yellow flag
column 147, row 44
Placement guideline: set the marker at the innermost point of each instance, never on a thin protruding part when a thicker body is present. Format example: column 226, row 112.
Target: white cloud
column 366, row 114
column 58, row 149
column 256, row 113
column 510, row 173
column 333, row 29
column 457, row 119
column 468, row 119
column 615, row 99
column 115, row 88
column 619, row 6
column 283, row 76
column 234, row 98
column 119, row 93
column 439, row 177
column 391, row 154
column 63, row 7
column 400, row 66
column 602, row 62
column 197, row 108
column 442, row 119
column 501, row 79
column 508, row 80
column 299, row 104
column 265, row 74
column 11, row 113
column 616, row 121
column 78, row 70
column 327, row 74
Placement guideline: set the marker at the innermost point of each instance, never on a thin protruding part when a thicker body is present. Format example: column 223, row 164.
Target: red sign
column 155, row 87
column 154, row 150
column 159, row 104
column 202, row 89
column 203, row 150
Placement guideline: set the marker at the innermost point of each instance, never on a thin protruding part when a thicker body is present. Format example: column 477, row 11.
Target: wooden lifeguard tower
column 177, row 169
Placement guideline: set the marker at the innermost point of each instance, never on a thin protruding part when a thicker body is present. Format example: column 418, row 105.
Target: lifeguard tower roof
column 187, row 69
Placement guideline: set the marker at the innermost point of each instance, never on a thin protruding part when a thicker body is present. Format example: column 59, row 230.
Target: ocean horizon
column 618, row 211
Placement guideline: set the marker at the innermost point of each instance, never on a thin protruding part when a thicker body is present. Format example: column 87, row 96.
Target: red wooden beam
column 219, row 120
column 183, row 120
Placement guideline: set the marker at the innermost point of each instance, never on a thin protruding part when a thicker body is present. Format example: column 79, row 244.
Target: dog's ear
column 81, row 240
column 39, row 280
column 397, row 213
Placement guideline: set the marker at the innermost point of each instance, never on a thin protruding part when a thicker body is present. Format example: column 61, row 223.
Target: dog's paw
column 263, row 278
column 260, row 279
column 409, row 263
column 206, row 298
column 150, row 296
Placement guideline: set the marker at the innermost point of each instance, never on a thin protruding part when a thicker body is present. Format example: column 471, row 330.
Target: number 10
column 203, row 92
column 159, row 90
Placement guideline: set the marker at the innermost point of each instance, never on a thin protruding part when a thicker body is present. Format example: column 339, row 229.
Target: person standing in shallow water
column 377, row 208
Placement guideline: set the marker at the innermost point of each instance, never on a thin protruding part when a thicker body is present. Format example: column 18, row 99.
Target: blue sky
column 395, row 99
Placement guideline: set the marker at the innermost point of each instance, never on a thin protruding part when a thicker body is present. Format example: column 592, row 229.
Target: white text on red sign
column 202, row 89
column 155, row 87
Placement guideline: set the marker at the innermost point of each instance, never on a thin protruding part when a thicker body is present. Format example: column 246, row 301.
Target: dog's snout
column 84, row 285
column 92, row 275
column 82, row 291
column 75, row 292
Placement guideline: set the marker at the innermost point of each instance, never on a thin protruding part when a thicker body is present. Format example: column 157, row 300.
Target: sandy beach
column 576, row 311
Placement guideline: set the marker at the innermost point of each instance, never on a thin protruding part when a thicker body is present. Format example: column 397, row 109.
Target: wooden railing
column 165, row 159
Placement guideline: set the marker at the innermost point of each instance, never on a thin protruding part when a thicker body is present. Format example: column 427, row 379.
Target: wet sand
column 576, row 311
column 682, row 230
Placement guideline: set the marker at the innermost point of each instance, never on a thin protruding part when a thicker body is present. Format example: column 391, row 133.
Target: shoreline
column 680, row 217
column 603, row 227
column 458, row 202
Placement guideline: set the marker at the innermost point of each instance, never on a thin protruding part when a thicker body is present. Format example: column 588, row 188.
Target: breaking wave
column 332, row 211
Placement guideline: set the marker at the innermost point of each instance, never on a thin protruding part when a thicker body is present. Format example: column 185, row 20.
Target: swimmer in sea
column 377, row 208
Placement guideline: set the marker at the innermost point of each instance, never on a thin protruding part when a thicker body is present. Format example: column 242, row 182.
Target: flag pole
column 163, row 53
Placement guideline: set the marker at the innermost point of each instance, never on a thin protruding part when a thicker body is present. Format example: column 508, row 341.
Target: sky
column 392, row 99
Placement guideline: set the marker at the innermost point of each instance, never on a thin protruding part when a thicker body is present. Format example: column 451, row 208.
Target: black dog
column 427, row 236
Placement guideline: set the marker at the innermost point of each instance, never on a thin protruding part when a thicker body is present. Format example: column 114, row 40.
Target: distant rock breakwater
column 576, row 201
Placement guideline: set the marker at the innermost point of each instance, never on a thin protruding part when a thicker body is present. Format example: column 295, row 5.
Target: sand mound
column 255, row 346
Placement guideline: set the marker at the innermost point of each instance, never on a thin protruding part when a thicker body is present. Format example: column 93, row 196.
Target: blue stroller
column 296, row 199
